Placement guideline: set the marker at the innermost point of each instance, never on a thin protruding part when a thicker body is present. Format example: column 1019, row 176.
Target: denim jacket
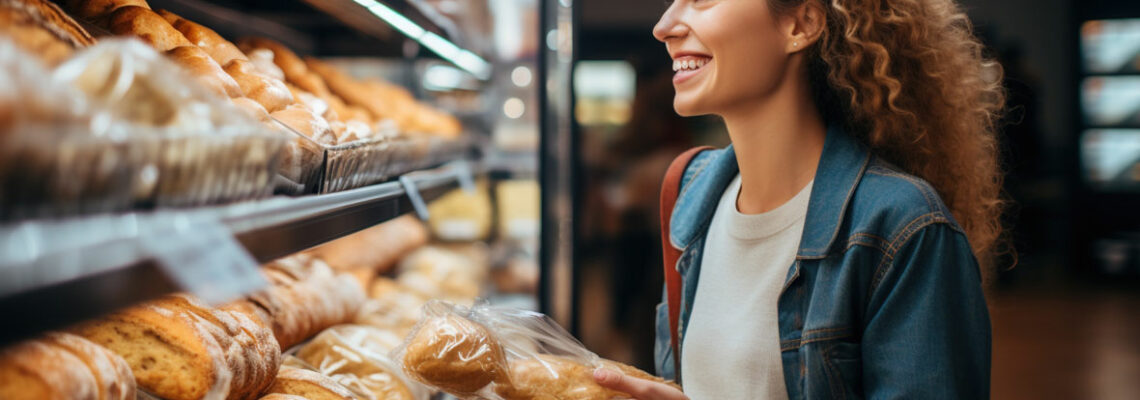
column 884, row 298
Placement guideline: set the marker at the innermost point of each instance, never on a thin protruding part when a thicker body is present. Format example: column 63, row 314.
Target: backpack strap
column 670, row 189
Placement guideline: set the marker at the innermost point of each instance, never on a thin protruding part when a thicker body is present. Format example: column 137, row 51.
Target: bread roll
column 41, row 28
column 347, row 88
column 308, row 384
column 267, row 91
column 378, row 248
column 170, row 354
column 199, row 64
column 146, row 25
column 34, row 38
column 263, row 59
column 306, row 123
column 37, row 370
column 220, row 49
column 290, row 64
column 94, row 10
column 456, row 355
column 251, row 108
column 112, row 375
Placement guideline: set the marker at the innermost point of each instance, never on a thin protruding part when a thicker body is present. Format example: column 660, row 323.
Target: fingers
column 640, row 389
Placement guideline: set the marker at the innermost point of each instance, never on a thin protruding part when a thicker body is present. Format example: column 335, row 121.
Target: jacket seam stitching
column 930, row 202
column 792, row 344
column 908, row 232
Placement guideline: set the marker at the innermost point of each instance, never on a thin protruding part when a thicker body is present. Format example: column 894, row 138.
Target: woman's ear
column 804, row 25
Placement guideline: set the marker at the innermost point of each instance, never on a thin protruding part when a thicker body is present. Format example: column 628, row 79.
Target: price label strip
column 205, row 259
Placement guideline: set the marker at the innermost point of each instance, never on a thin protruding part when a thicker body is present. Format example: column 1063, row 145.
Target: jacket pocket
column 843, row 363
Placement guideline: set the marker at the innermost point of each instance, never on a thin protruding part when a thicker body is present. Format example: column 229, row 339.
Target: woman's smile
column 686, row 66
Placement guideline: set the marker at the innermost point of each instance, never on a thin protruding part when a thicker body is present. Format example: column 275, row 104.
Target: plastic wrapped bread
column 503, row 354
column 349, row 354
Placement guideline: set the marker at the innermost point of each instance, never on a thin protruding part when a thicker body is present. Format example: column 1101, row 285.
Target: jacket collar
column 840, row 168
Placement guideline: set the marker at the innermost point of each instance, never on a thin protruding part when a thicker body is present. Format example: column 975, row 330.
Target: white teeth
column 689, row 64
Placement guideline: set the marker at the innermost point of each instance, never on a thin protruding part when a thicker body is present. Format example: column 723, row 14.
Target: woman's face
column 726, row 53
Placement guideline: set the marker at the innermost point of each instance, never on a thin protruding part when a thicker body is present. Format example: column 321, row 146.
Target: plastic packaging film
column 356, row 357
column 485, row 352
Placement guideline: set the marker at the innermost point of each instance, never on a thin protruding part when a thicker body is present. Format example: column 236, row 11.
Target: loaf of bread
column 308, row 384
column 345, row 87
column 252, row 354
column 41, row 28
column 112, row 374
column 271, row 93
column 220, row 49
column 263, row 59
column 145, row 24
column 304, row 298
column 63, row 366
column 378, row 248
column 353, row 367
column 170, row 353
column 201, row 66
column 455, row 354
column 302, row 120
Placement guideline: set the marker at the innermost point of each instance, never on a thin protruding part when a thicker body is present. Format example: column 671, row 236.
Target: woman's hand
column 640, row 389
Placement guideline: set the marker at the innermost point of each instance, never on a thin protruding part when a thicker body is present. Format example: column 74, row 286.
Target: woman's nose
column 670, row 25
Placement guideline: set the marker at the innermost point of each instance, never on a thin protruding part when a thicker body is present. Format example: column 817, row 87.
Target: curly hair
column 910, row 79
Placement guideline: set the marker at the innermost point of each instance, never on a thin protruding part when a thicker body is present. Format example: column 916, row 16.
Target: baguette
column 199, row 64
column 146, row 25
column 112, row 375
column 38, row 370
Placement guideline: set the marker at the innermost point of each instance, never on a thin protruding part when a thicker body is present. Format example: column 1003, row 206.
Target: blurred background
column 1064, row 317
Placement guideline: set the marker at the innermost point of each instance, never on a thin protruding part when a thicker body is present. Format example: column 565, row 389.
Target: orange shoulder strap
column 670, row 189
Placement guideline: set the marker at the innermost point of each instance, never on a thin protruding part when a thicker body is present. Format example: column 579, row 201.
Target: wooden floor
column 1069, row 342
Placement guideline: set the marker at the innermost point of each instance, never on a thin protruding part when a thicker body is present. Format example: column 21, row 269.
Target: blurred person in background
column 839, row 247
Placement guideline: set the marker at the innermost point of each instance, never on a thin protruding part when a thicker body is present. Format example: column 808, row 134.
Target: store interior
column 256, row 199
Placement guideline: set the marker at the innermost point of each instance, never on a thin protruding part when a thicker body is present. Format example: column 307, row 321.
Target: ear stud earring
column 795, row 44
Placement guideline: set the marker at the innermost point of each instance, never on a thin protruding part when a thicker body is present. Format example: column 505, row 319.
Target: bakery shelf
column 54, row 273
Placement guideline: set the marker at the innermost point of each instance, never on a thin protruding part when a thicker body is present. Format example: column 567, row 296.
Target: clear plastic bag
column 356, row 357
column 494, row 353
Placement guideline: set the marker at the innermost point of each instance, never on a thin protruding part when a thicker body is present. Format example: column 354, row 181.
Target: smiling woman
column 838, row 248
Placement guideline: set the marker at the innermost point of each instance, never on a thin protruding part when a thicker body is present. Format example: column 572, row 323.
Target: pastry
column 279, row 396
column 251, row 108
column 455, row 354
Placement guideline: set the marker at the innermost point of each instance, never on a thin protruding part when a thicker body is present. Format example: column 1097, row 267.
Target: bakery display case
column 256, row 199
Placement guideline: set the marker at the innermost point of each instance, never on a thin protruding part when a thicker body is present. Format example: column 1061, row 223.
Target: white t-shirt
column 731, row 348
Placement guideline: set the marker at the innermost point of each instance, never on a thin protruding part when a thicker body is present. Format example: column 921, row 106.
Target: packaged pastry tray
column 369, row 161
column 302, row 162
column 53, row 175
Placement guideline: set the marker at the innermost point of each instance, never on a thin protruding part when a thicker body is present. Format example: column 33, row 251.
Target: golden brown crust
column 51, row 17
column 267, row 91
column 279, row 396
column 285, row 59
column 220, row 49
column 345, row 87
column 93, row 10
column 38, row 370
column 349, row 366
column 170, row 354
column 34, row 38
column 208, row 72
column 146, row 25
column 301, row 119
column 308, row 384
column 112, row 374
column 251, row 108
